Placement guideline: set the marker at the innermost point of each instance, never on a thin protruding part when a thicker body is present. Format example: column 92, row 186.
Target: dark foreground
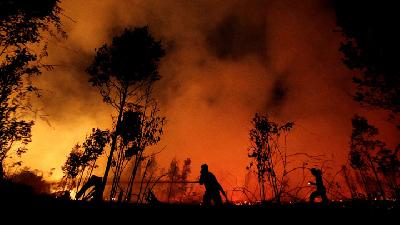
column 19, row 205
column 45, row 209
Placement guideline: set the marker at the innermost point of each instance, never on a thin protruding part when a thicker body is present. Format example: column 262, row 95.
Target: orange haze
column 226, row 60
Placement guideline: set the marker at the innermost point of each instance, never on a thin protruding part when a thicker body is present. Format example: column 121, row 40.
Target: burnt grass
column 21, row 204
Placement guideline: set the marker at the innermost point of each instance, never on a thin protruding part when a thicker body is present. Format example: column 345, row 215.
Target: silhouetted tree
column 389, row 165
column 173, row 175
column 32, row 179
column 124, row 73
column 149, row 134
column 349, row 182
column 149, row 172
column 357, row 162
column 363, row 147
column 82, row 159
column 72, row 166
column 371, row 48
column 186, row 170
column 265, row 153
column 22, row 25
column 178, row 178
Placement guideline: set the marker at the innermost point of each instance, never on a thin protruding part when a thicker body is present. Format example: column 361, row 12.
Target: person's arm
column 201, row 180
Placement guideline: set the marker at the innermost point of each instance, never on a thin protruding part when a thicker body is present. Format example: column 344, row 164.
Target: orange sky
column 226, row 60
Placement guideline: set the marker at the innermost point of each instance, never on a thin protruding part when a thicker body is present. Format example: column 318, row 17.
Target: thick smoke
column 226, row 60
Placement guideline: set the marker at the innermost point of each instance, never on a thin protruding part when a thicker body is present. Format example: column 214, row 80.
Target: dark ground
column 47, row 209
column 22, row 206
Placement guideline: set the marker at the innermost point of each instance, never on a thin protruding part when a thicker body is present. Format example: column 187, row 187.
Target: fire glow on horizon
column 225, row 61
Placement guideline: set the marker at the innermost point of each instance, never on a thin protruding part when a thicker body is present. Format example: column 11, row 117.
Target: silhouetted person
column 212, row 187
column 321, row 191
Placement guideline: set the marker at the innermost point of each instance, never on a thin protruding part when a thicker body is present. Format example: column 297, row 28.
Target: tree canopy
column 371, row 48
column 23, row 24
column 124, row 73
column 128, row 64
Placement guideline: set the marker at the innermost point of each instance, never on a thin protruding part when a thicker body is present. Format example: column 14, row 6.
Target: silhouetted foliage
column 173, row 176
column 371, row 48
column 264, row 152
column 131, row 150
column 389, row 165
column 349, row 182
column 71, row 166
column 22, row 25
column 124, row 73
column 123, row 70
column 177, row 177
column 364, row 146
column 186, row 170
column 82, row 159
column 32, row 179
column 145, row 192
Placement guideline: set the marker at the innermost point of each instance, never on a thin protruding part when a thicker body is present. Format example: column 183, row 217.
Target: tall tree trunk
column 262, row 190
column 141, row 182
column 133, row 176
column 91, row 170
column 378, row 181
column 80, row 179
column 348, row 183
column 113, row 143
column 117, row 173
column 364, row 182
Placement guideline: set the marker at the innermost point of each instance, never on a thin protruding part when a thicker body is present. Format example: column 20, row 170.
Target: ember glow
column 225, row 61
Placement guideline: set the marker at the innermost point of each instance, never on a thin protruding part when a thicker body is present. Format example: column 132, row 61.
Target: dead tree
column 266, row 153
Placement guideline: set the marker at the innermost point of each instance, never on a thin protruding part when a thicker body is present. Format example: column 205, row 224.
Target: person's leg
column 217, row 199
column 313, row 196
column 207, row 199
column 324, row 197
